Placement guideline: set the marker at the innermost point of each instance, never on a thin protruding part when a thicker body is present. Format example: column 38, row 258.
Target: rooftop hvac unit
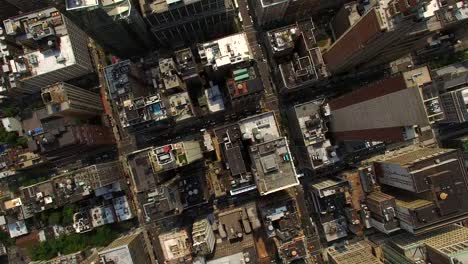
column 61, row 59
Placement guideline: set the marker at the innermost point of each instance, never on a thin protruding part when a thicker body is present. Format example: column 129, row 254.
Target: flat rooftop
column 244, row 82
column 407, row 158
column 168, row 70
column 214, row 99
column 117, row 251
column 52, row 49
column 180, row 106
column 283, row 38
column 274, row 167
column 122, row 208
column 311, row 117
column 229, row 50
column 175, row 155
column 175, row 245
column 102, row 215
column 17, row 229
column 353, row 253
column 117, row 78
column 259, row 127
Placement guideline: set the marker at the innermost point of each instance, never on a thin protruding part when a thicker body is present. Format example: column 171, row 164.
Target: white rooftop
column 429, row 9
column 229, row 50
column 52, row 60
column 259, row 126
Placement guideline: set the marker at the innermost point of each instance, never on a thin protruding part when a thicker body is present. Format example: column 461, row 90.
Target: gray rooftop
column 275, row 170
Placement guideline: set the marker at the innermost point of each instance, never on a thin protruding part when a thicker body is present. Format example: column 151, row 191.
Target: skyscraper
column 269, row 12
column 382, row 31
column 130, row 249
column 115, row 25
column 174, row 22
column 62, row 99
column 455, row 105
column 387, row 110
column 55, row 50
column 429, row 186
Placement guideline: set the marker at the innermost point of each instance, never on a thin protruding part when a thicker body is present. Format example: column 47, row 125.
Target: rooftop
column 39, row 197
column 102, row 215
column 82, row 222
column 141, row 170
column 214, row 99
column 80, row 4
column 186, row 62
column 281, row 219
column 122, row 208
column 119, row 8
column 164, row 201
column 274, row 168
column 230, row 141
column 411, row 156
column 175, row 245
column 74, row 185
column 175, row 155
column 452, row 13
column 134, row 103
column 352, row 253
column 180, row 106
column 311, row 117
column 244, row 81
column 169, row 74
column 438, row 239
column 160, row 6
column 118, row 251
column 236, row 258
column 258, row 128
column 229, row 50
column 17, row 229
column 49, row 47
column 283, row 38
column 305, row 63
column 233, row 224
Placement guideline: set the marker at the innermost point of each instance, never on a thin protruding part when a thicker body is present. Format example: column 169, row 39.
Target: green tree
column 22, row 142
column 67, row 213
column 5, row 239
column 103, row 236
column 10, row 111
column 55, row 218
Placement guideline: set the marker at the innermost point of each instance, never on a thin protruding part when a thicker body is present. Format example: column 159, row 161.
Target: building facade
column 175, row 22
column 455, row 106
column 41, row 34
column 130, row 249
column 386, row 110
column 63, row 99
column 384, row 31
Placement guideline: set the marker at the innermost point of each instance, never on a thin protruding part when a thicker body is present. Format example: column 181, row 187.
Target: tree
column 5, row 239
column 67, row 213
column 55, row 218
column 103, row 236
column 22, row 141
column 10, row 111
